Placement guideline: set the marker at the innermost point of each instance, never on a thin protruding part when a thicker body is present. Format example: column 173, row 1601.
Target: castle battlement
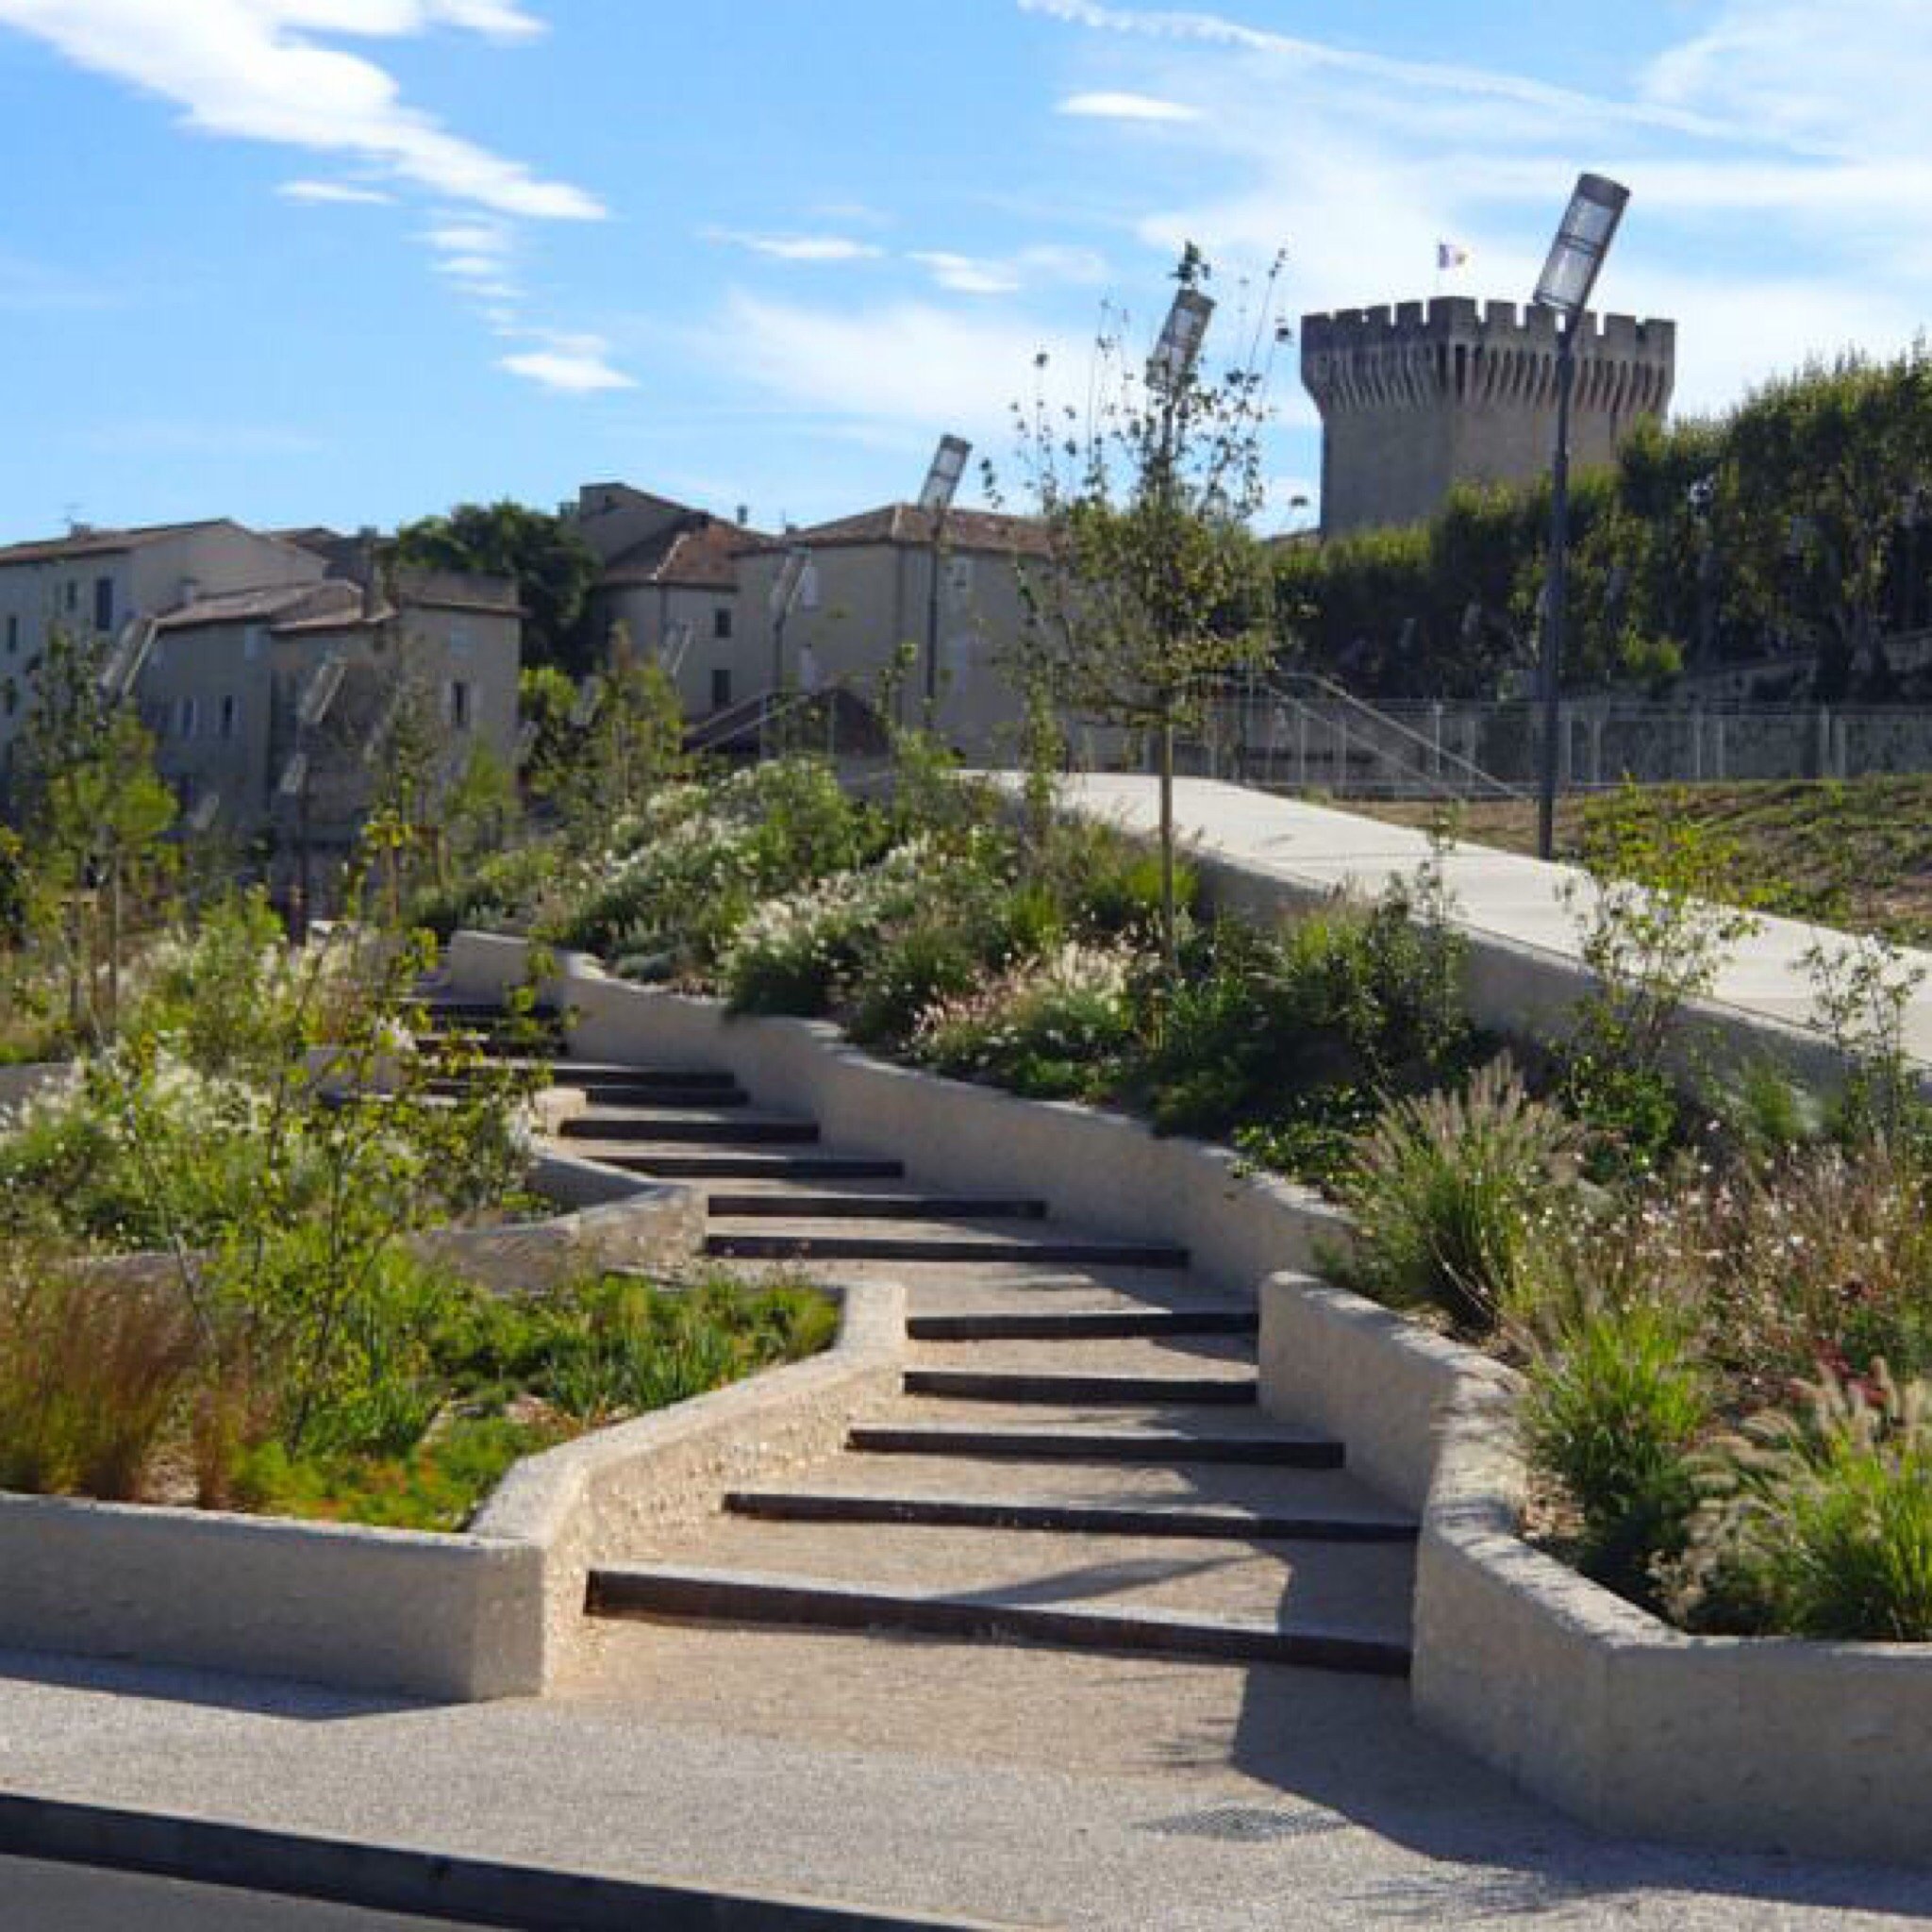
column 1418, row 396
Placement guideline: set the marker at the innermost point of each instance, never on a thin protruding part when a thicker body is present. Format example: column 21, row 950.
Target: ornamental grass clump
column 1453, row 1194
column 93, row 1370
column 1617, row 1399
column 1819, row 1524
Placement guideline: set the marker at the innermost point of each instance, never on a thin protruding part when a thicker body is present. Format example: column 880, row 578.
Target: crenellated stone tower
column 1426, row 395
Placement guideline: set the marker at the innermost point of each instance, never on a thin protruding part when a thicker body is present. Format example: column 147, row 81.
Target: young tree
column 1153, row 583
column 95, row 816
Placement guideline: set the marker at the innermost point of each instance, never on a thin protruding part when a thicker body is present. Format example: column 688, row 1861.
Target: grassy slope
column 1858, row 854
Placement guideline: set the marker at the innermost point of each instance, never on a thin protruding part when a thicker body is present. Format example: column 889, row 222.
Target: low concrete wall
column 1582, row 1698
column 1531, row 996
column 618, row 1221
column 601, row 1496
column 448, row 1617
column 19, row 1084
column 1091, row 1166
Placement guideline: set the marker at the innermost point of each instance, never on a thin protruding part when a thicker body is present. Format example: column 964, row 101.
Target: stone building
column 868, row 598
column 1421, row 397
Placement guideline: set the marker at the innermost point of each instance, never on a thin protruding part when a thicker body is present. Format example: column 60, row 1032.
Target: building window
column 230, row 716
column 72, row 594
column 458, row 638
column 721, row 688
column 459, row 704
column 187, row 717
column 959, row 577
column 721, row 621
column 104, row 604
column 12, row 634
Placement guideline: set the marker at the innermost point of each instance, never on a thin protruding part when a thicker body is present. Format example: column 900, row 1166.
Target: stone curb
column 409, row 1879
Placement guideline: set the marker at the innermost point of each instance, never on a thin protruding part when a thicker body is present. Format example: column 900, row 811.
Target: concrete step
column 1079, row 1325
column 1070, row 1386
column 799, row 1205
column 682, row 1164
column 1181, row 1444
column 614, row 1091
column 1238, row 1487
column 1067, row 1518
column 706, row 1125
column 935, row 1241
column 445, row 1012
column 759, row 1597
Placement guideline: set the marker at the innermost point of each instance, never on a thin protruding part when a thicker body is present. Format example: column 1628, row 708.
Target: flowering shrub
column 1054, row 1024
column 795, row 953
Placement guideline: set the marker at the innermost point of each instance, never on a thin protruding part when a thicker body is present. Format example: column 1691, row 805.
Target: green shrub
column 1451, row 1192
column 436, row 1485
column 1109, row 883
column 1819, row 1525
column 1615, row 1404
column 1347, row 997
column 933, row 959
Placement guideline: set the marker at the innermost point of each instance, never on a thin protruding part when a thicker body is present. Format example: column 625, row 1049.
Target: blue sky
column 352, row 260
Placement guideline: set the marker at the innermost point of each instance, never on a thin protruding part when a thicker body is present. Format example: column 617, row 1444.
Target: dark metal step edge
column 722, row 1166
column 860, row 1247
column 1013, row 1385
column 875, row 1208
column 699, row 1098
column 749, row 1597
column 747, row 1133
column 1153, row 1447
column 1066, row 1519
column 1080, row 1324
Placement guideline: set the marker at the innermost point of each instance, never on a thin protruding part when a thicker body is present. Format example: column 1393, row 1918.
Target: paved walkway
column 1500, row 896
column 1024, row 1786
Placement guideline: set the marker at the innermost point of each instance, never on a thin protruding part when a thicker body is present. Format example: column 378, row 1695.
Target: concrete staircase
column 1075, row 1456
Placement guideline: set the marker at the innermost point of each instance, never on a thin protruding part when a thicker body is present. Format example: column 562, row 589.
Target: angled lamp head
column 1179, row 347
column 942, row 479
column 1576, row 256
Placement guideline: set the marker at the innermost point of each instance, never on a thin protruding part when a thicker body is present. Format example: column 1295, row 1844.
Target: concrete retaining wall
column 495, row 1613
column 1091, row 1166
column 1582, row 1698
column 601, row 1495
column 361, row 1609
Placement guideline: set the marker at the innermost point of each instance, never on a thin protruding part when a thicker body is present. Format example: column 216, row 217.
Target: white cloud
column 1287, row 51
column 964, row 274
column 256, row 70
column 346, row 192
column 492, row 239
column 974, row 274
column 897, row 367
column 1126, row 107
column 804, row 248
column 573, row 364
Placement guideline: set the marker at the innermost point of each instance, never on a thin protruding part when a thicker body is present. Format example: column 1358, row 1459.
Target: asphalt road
column 75, row 1898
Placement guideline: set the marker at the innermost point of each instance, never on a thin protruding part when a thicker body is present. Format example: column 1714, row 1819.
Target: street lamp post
column 311, row 710
column 936, row 500
column 1575, row 259
column 1169, row 370
column 786, row 592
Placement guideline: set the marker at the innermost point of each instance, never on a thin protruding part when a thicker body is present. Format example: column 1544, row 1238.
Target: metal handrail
column 1382, row 721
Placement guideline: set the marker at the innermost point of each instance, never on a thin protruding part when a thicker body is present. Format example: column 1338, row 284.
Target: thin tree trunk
column 1170, row 937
